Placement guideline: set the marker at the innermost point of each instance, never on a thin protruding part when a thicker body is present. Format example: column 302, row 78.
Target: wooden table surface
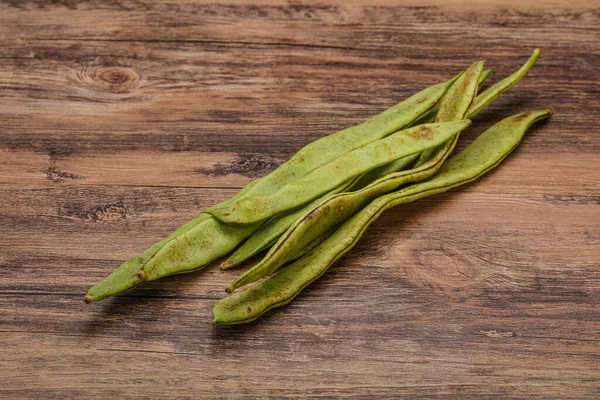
column 121, row 120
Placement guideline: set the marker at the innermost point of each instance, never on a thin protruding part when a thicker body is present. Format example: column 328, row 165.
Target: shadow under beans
column 133, row 305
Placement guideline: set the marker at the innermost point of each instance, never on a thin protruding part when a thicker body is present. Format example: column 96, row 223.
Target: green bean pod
column 336, row 209
column 485, row 153
column 328, row 148
column 494, row 91
column 321, row 180
column 125, row 277
column 272, row 229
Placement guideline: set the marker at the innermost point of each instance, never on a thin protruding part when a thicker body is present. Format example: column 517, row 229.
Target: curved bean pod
column 271, row 230
column 125, row 276
column 492, row 93
column 352, row 164
column 485, row 153
column 338, row 208
column 404, row 162
column 328, row 148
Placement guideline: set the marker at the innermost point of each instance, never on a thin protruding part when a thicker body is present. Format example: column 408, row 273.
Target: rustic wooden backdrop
column 120, row 120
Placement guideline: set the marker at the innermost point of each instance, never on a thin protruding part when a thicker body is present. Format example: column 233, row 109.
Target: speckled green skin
column 357, row 162
column 403, row 163
column 272, row 229
column 336, row 209
column 133, row 271
column 125, row 276
column 494, row 91
column 485, row 153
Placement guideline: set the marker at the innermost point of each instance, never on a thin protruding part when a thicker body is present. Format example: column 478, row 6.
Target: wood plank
column 525, row 172
column 123, row 119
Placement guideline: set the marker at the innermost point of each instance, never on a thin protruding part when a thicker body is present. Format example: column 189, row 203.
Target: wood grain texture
column 121, row 120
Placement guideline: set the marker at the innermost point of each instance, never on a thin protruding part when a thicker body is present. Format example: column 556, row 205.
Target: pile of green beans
column 315, row 207
column 485, row 153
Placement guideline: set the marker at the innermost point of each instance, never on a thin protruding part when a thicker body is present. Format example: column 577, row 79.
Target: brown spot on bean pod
column 422, row 133
column 521, row 117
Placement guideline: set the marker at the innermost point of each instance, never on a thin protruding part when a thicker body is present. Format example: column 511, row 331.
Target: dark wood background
column 121, row 120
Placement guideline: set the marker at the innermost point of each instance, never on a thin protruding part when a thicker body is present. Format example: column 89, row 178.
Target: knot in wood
column 116, row 79
column 250, row 165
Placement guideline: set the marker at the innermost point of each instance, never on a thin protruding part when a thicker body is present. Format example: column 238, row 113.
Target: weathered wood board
column 121, row 120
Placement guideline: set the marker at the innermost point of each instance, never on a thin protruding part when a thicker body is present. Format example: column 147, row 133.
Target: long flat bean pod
column 338, row 208
column 272, row 229
column 321, row 180
column 125, row 276
column 403, row 163
column 328, row 148
column 485, row 153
